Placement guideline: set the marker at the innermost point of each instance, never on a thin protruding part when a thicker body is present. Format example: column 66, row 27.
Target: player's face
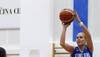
column 80, row 39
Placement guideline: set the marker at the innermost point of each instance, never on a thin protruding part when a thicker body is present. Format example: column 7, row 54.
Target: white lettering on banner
column 10, row 11
column 79, row 55
column 82, row 55
column 86, row 55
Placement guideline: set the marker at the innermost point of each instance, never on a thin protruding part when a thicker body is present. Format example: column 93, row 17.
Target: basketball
column 66, row 16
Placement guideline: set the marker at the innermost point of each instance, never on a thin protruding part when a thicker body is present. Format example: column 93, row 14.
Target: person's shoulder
column 76, row 46
column 75, row 50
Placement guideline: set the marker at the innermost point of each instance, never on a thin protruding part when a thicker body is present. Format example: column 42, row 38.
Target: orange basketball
column 66, row 16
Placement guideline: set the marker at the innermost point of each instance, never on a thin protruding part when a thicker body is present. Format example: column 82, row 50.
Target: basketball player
column 2, row 52
column 84, row 41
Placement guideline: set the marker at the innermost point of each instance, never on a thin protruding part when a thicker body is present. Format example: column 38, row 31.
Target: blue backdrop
column 81, row 7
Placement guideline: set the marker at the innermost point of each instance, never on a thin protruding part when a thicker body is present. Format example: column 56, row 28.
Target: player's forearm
column 62, row 40
column 88, row 38
column 85, row 30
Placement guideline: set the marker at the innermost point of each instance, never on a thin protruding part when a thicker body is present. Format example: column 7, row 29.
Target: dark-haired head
column 2, row 52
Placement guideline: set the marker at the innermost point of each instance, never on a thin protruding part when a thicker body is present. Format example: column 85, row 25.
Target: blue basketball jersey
column 77, row 53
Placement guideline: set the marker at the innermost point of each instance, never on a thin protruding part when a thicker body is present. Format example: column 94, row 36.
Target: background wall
column 40, row 26
column 10, row 26
column 36, row 27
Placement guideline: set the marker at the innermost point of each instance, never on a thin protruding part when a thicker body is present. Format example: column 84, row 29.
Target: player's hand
column 77, row 17
column 65, row 25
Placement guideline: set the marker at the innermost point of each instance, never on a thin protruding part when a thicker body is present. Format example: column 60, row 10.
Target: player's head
column 81, row 39
column 2, row 52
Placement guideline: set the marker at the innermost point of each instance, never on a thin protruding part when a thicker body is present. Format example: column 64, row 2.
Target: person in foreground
column 84, row 41
column 2, row 52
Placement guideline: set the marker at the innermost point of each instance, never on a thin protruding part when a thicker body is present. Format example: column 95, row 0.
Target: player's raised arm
column 85, row 30
column 66, row 46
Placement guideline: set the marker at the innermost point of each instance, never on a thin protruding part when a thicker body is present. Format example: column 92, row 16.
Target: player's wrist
column 81, row 23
